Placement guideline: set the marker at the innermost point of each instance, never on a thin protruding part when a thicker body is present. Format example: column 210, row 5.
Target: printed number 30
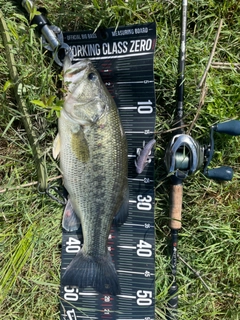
column 144, row 203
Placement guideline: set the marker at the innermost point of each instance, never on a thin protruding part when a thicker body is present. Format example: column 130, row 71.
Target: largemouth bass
column 93, row 160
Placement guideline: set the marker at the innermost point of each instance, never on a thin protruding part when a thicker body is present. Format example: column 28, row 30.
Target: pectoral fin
column 80, row 146
column 122, row 214
column 56, row 146
column 70, row 221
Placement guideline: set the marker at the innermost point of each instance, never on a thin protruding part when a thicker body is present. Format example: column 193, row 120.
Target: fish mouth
column 77, row 68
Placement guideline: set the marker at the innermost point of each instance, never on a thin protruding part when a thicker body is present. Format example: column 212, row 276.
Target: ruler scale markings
column 137, row 225
column 133, row 272
column 138, row 132
column 128, row 297
column 127, row 108
column 146, row 318
column 132, row 179
column 127, row 247
column 130, row 82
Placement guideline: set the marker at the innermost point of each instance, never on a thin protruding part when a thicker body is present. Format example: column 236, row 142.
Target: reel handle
column 223, row 173
column 231, row 127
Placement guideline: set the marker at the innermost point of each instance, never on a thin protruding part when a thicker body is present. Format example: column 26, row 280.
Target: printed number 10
column 145, row 107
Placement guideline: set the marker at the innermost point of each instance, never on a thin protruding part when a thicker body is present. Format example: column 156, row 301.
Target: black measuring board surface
column 124, row 59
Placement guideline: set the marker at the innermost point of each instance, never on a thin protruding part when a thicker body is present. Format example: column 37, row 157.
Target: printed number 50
column 144, row 298
column 70, row 294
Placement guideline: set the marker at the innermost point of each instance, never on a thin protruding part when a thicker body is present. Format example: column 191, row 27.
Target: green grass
column 209, row 241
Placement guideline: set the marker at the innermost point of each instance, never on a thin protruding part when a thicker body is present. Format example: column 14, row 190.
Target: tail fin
column 97, row 272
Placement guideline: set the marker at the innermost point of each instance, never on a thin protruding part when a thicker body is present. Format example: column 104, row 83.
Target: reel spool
column 184, row 156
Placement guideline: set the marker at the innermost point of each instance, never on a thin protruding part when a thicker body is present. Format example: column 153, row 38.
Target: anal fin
column 71, row 221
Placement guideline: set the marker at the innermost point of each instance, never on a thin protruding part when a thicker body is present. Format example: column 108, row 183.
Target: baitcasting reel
column 185, row 155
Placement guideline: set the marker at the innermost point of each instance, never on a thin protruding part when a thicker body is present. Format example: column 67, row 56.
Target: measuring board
column 124, row 59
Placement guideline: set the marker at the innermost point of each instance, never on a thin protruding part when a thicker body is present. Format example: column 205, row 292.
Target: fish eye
column 92, row 76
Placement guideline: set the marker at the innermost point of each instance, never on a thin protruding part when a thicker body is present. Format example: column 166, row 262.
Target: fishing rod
column 184, row 156
column 176, row 192
column 51, row 36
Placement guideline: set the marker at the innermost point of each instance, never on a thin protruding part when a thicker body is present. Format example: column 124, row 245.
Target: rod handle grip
column 175, row 211
column 231, row 127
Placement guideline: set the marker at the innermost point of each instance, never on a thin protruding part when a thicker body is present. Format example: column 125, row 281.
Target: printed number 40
column 73, row 245
column 144, row 249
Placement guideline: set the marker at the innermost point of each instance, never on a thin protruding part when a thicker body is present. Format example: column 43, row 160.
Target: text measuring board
column 124, row 59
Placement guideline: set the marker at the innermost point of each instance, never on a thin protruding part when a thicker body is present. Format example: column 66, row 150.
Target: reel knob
column 223, row 173
column 231, row 127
